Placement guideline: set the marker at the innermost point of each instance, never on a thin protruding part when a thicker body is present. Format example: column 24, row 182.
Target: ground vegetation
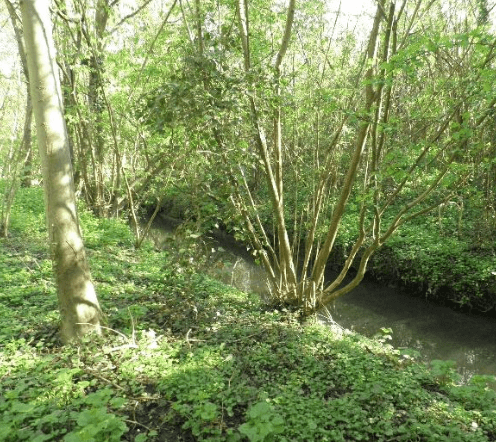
column 187, row 358
column 317, row 139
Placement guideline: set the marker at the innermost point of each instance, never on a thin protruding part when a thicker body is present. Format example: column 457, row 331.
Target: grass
column 186, row 358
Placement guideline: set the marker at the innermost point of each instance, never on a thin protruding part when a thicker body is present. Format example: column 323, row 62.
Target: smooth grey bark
column 79, row 307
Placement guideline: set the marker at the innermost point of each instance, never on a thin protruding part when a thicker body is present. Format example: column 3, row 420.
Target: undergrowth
column 186, row 358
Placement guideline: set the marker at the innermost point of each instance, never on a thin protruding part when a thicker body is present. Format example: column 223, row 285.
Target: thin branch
column 131, row 15
column 145, row 61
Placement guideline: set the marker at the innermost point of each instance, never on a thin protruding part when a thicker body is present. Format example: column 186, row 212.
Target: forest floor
column 187, row 358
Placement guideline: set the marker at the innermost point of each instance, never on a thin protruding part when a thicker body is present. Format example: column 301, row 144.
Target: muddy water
column 435, row 332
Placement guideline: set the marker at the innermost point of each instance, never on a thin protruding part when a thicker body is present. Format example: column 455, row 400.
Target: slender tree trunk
column 17, row 160
column 96, row 101
column 20, row 161
column 26, row 140
column 78, row 303
column 272, row 161
column 26, row 144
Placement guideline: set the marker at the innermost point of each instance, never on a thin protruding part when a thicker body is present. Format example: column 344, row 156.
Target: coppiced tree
column 78, row 303
column 393, row 130
column 380, row 175
column 310, row 125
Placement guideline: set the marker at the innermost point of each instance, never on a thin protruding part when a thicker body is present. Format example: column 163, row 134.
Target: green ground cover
column 186, row 358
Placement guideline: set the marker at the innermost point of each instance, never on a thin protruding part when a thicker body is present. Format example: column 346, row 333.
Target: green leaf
column 209, row 411
column 259, row 410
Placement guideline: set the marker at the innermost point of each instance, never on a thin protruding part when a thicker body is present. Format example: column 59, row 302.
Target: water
column 435, row 332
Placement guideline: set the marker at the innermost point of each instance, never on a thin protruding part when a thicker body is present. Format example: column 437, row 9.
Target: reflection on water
column 435, row 332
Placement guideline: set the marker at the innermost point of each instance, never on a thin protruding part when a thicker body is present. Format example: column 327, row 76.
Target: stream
column 434, row 331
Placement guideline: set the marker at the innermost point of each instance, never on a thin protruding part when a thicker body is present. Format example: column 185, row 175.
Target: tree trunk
column 96, row 102
column 26, row 141
column 78, row 303
column 18, row 162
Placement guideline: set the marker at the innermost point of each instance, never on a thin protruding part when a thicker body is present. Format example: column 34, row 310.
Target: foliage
column 428, row 132
column 177, row 116
column 103, row 232
column 27, row 217
column 67, row 411
column 430, row 258
column 262, row 423
column 188, row 358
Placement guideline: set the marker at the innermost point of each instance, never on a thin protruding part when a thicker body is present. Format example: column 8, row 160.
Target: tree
column 21, row 160
column 87, row 27
column 78, row 303
column 323, row 148
column 397, row 134
column 297, row 258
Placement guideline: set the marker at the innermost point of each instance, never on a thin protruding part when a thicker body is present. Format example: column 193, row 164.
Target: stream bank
column 434, row 331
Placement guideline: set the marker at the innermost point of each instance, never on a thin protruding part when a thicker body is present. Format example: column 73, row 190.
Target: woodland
column 325, row 139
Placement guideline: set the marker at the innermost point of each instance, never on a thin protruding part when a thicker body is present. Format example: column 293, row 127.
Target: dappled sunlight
column 185, row 356
column 236, row 198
